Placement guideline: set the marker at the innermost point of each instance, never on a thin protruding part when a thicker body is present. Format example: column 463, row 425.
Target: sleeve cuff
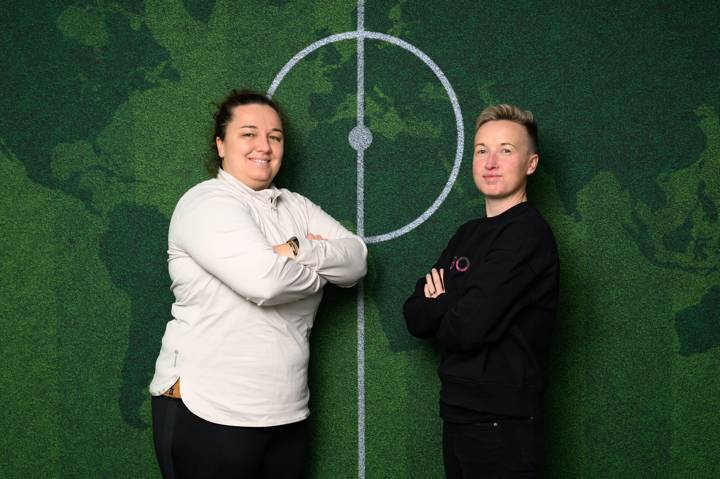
column 440, row 305
column 306, row 255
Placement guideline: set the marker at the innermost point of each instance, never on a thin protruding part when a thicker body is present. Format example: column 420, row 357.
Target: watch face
column 294, row 244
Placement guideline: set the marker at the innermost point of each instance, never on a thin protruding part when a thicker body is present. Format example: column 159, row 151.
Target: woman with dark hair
column 248, row 262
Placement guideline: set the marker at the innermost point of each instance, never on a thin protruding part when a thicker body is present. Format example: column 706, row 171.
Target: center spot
column 360, row 138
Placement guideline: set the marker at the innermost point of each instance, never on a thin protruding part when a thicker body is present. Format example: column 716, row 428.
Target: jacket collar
column 267, row 197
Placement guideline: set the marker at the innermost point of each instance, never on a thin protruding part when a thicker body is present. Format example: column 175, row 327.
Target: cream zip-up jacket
column 242, row 314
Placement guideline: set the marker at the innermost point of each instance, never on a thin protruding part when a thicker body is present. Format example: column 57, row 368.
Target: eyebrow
column 255, row 127
column 501, row 144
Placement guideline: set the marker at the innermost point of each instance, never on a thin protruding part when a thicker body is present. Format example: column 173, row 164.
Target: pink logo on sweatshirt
column 461, row 264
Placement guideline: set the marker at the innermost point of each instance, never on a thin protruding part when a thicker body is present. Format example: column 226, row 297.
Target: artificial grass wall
column 105, row 121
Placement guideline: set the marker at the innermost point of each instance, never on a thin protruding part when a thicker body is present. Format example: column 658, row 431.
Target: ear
column 532, row 164
column 220, row 147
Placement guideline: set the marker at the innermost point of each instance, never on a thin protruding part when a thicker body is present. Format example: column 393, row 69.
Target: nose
column 262, row 144
column 491, row 161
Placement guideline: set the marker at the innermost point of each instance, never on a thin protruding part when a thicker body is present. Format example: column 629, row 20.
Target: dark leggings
column 506, row 448
column 189, row 447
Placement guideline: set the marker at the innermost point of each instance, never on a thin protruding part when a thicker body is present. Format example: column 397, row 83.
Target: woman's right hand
column 434, row 283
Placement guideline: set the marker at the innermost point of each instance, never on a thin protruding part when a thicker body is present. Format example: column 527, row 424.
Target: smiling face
column 502, row 160
column 252, row 149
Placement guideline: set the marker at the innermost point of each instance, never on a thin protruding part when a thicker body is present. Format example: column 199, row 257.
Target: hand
column 312, row 236
column 434, row 283
column 284, row 249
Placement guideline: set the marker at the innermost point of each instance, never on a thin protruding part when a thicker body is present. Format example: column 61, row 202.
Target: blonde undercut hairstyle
column 512, row 113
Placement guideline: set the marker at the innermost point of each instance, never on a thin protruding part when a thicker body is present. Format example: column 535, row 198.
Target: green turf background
column 105, row 112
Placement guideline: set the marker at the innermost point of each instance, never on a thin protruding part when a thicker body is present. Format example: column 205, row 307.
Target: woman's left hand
column 434, row 283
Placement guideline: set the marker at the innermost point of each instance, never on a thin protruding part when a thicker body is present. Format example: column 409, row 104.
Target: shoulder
column 465, row 233
column 524, row 227
column 209, row 197
column 296, row 199
column 299, row 204
column 293, row 197
column 535, row 223
column 467, row 228
column 532, row 237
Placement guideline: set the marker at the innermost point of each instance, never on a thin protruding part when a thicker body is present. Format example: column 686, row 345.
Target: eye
column 506, row 151
column 481, row 151
column 276, row 138
column 248, row 134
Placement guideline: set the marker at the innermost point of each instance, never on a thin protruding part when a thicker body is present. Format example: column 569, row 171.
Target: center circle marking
column 360, row 137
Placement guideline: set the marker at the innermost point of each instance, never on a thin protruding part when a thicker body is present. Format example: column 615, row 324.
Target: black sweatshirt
column 494, row 322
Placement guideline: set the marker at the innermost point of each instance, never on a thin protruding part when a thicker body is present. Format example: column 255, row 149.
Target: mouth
column 491, row 177
column 260, row 161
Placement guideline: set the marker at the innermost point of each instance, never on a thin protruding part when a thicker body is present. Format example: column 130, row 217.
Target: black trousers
column 506, row 448
column 189, row 447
